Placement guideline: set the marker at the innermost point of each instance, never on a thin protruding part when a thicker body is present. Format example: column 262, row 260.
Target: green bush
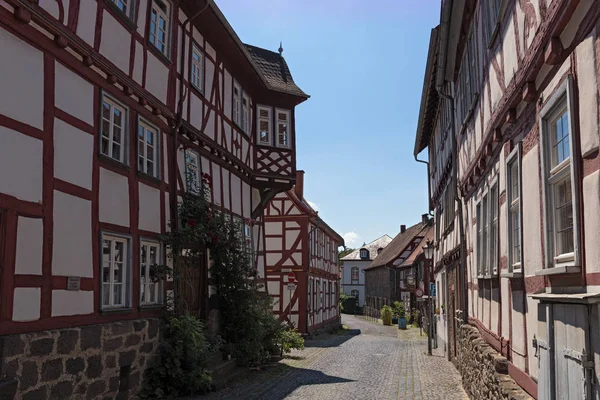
column 181, row 370
column 348, row 304
column 291, row 339
column 386, row 315
column 398, row 308
column 416, row 317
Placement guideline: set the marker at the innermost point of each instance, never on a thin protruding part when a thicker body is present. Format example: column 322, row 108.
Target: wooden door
column 192, row 285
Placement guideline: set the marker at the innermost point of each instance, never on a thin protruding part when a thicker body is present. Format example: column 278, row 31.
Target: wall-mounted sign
column 73, row 283
column 291, row 286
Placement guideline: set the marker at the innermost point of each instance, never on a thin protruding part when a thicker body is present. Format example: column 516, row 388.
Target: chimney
column 299, row 188
column 425, row 218
column 402, row 228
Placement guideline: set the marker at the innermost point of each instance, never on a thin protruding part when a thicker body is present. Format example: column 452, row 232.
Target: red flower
column 192, row 223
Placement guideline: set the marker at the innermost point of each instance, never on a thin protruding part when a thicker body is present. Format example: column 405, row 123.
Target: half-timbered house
column 298, row 241
column 510, row 102
column 109, row 112
column 383, row 277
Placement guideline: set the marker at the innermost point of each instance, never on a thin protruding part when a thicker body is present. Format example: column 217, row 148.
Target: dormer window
column 283, row 132
column 264, row 126
column 364, row 254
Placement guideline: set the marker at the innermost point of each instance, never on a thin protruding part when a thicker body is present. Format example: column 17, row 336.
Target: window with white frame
column 192, row 172
column 127, row 7
column 197, row 71
column 149, row 284
column 283, row 131
column 562, row 234
column 237, row 103
column 513, row 194
column 354, row 293
column 468, row 78
column 148, row 155
column 114, row 130
column 487, row 232
column 248, row 243
column 263, row 129
column 449, row 205
column 246, row 113
column 160, row 15
column 115, row 271
column 364, row 254
column 354, row 273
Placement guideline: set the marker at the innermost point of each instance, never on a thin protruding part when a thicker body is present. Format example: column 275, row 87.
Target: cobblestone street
column 378, row 363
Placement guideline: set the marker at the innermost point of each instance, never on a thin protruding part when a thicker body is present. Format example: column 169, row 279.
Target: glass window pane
column 106, row 294
column 118, row 295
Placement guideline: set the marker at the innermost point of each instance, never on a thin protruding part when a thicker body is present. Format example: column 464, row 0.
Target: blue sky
column 363, row 63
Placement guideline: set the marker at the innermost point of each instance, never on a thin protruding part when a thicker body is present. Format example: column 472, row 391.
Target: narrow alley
column 371, row 362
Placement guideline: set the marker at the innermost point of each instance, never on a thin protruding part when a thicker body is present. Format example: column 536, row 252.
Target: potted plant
column 386, row 315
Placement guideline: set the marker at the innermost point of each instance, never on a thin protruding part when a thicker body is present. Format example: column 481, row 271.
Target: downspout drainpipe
column 428, row 184
column 179, row 122
column 458, row 199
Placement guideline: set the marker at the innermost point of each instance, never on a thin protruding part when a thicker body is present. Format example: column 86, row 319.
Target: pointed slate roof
column 379, row 243
column 398, row 245
column 275, row 70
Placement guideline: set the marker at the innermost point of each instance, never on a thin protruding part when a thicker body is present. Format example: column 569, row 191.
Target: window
column 468, row 78
column 513, row 194
column 197, row 71
column 449, row 205
column 247, row 240
column 115, row 271
column 364, row 254
column 148, row 141
column 149, row 285
column 237, row 103
column 126, row 6
column 283, row 134
column 487, row 233
column 264, row 126
column 246, row 120
column 159, row 25
column 354, row 293
column 192, row 172
column 560, row 204
column 354, row 273
column 491, row 12
column 114, row 129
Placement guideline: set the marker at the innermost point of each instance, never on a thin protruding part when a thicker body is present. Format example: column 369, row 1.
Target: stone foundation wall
column 484, row 371
column 90, row 362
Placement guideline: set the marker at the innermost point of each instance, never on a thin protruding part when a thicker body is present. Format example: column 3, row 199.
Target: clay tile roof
column 428, row 232
column 275, row 70
column 379, row 243
column 398, row 244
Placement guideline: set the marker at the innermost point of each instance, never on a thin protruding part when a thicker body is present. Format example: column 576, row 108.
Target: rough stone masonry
column 90, row 362
column 485, row 371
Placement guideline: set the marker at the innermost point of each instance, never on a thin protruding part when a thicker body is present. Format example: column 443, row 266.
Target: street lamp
column 428, row 250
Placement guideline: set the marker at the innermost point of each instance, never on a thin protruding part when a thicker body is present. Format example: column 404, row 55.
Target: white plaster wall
column 73, row 154
column 274, row 243
column 149, row 208
column 26, row 304
column 142, row 16
column 591, row 221
column 115, row 44
column 114, row 198
column 52, row 7
column 568, row 34
column 30, row 241
column 138, row 63
column 272, row 259
column 506, row 310
column 25, row 85
column 226, row 188
column 67, row 83
column 553, row 84
column 87, row 21
column 72, row 236
column 247, row 200
column 290, row 238
column 509, row 49
column 273, row 288
column 236, row 193
column 195, row 111
column 157, row 78
column 273, row 228
column 210, row 126
column 23, row 154
column 65, row 302
column 588, row 94
column 165, row 157
column 494, row 85
column 532, row 237
column 519, row 342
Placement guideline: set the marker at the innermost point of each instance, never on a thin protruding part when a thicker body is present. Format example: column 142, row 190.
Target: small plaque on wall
column 73, row 283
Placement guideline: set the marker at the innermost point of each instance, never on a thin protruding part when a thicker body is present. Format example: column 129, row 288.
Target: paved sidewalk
column 379, row 363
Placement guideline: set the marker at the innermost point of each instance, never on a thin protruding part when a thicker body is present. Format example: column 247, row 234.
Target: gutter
column 444, row 38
